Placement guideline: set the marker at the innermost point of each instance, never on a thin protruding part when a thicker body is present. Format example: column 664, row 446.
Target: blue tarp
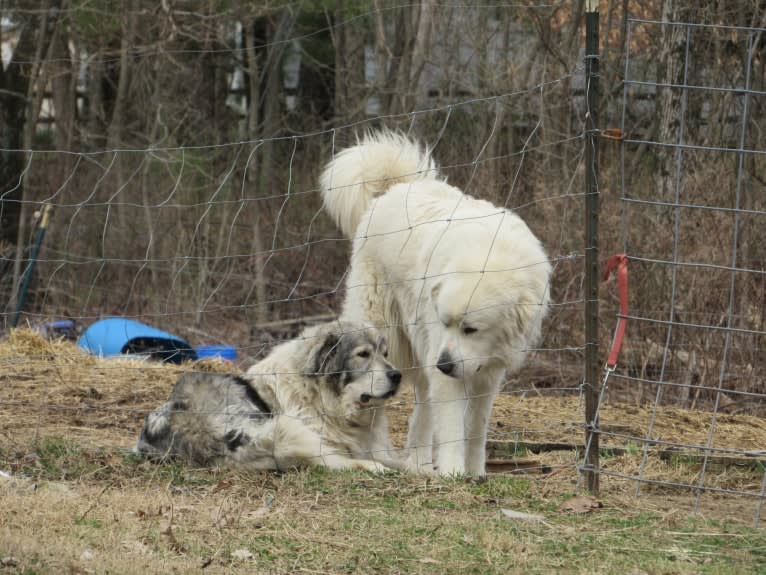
column 115, row 336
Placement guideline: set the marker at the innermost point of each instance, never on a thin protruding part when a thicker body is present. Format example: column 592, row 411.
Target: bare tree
column 38, row 77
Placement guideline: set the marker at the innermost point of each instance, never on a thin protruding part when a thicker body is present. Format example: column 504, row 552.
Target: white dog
column 314, row 400
column 460, row 285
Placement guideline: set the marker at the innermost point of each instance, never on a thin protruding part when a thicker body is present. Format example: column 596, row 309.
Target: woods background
column 179, row 144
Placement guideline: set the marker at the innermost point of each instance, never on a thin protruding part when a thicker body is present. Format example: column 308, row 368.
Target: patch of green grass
column 53, row 448
column 683, row 460
column 356, row 522
column 500, row 487
column 59, row 459
column 89, row 522
column 132, row 459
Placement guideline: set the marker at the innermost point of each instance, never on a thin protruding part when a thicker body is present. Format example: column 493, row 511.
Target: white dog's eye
column 363, row 353
column 469, row 330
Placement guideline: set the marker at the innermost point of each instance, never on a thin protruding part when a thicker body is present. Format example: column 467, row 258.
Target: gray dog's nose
column 394, row 376
column 445, row 364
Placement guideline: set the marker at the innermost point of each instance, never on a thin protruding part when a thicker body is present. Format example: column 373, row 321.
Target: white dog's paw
column 450, row 467
column 418, row 462
column 407, row 466
column 369, row 465
column 424, row 468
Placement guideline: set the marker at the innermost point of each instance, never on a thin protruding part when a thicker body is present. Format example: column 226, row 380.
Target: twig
column 95, row 501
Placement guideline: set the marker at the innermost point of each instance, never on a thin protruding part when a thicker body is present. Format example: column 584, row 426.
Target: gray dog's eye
column 469, row 330
column 363, row 353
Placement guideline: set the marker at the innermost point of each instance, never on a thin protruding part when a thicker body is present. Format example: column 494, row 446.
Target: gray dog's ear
column 435, row 289
column 323, row 357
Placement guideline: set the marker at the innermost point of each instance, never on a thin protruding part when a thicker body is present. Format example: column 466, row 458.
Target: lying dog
column 315, row 400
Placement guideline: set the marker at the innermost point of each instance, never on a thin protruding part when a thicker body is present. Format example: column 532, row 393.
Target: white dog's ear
column 323, row 357
column 526, row 316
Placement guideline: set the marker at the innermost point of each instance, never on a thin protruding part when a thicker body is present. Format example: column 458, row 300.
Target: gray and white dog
column 317, row 400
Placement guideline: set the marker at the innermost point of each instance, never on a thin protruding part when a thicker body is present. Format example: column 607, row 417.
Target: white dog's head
column 488, row 319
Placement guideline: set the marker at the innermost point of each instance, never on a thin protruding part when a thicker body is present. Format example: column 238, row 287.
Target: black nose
column 394, row 376
column 445, row 363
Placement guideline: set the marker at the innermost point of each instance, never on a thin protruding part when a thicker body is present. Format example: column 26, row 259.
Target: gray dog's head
column 349, row 363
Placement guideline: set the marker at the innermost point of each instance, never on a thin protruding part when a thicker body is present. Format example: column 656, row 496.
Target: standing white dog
column 461, row 286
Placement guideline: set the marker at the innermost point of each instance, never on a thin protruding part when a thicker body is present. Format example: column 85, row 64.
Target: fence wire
column 227, row 243
column 691, row 213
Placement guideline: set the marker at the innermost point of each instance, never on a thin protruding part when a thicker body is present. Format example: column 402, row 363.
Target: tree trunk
column 34, row 99
column 253, row 119
column 15, row 86
column 421, row 49
column 64, row 88
column 114, row 131
column 340, row 107
column 671, row 58
column 350, row 97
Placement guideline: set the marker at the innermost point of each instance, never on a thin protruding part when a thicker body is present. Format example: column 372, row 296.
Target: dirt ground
column 51, row 389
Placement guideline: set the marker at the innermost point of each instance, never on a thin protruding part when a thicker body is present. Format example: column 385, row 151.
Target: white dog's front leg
column 450, row 405
column 477, row 421
column 294, row 444
column 420, row 436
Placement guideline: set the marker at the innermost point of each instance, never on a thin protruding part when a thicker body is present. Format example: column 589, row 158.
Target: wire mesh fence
column 690, row 219
column 222, row 239
column 227, row 243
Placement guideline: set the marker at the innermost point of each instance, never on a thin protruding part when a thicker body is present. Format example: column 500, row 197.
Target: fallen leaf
column 242, row 554
column 166, row 531
column 220, row 520
column 86, row 555
column 223, row 484
column 226, row 515
column 138, row 547
column 75, row 569
column 580, row 504
column 521, row 516
column 257, row 513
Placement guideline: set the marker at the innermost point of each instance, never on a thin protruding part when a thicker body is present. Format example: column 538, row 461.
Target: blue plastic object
column 116, row 336
column 58, row 328
column 225, row 352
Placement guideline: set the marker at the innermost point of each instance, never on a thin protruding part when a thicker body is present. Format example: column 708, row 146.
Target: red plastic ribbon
column 620, row 263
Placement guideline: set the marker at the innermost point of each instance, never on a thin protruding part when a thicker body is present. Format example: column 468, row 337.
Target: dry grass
column 104, row 513
column 53, row 388
column 78, row 503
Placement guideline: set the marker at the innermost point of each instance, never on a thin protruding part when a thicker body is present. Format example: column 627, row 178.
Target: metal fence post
column 592, row 367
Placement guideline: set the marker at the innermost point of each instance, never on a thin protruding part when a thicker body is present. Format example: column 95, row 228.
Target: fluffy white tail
column 359, row 174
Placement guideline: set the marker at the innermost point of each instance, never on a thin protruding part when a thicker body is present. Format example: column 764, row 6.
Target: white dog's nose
column 445, row 363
